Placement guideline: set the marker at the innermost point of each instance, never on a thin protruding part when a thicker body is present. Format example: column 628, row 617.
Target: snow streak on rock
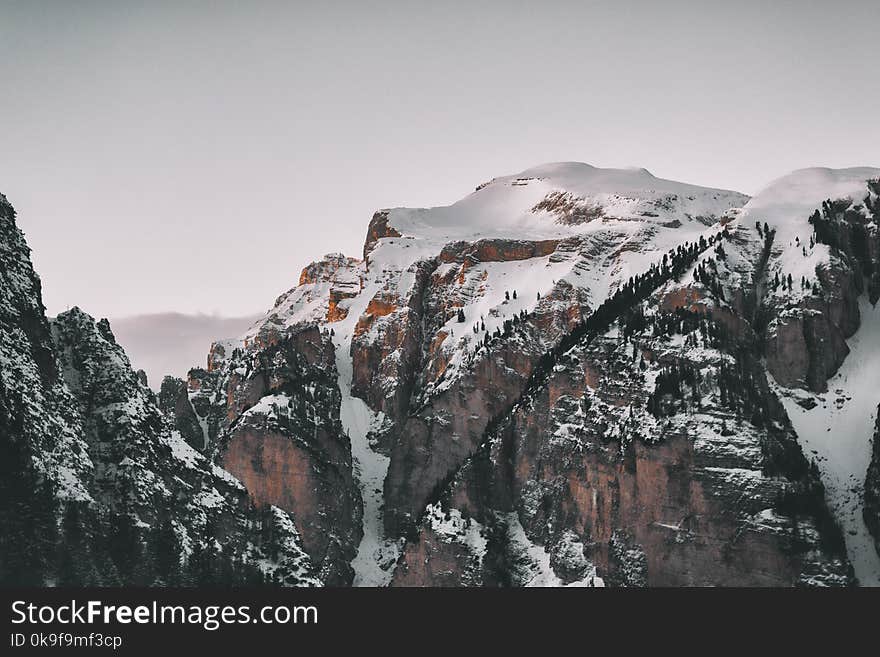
column 373, row 565
column 838, row 432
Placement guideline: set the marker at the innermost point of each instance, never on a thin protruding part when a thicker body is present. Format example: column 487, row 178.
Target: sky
column 193, row 157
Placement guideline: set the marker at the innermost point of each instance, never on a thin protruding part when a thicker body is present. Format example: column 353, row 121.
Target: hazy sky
column 194, row 156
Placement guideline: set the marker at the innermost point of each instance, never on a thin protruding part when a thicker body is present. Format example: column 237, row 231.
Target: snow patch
column 837, row 433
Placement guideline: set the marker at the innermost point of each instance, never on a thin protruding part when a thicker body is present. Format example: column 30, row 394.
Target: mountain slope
column 572, row 377
column 459, row 318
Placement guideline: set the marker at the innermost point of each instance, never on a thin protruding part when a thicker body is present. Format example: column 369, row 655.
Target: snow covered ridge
column 552, row 201
column 821, row 288
column 528, row 205
column 787, row 206
column 822, row 285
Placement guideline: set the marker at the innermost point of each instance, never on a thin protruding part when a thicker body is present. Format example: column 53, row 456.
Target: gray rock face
column 448, row 419
column 806, row 343
column 271, row 418
column 386, row 347
column 40, row 427
column 173, row 401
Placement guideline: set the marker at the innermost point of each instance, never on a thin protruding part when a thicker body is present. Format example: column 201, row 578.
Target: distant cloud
column 172, row 343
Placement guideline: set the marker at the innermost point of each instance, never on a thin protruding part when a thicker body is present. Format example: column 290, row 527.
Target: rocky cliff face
column 604, row 476
column 651, row 457
column 274, row 405
column 823, row 257
column 572, row 377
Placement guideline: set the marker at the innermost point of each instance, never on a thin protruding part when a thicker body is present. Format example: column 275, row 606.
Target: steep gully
column 374, row 563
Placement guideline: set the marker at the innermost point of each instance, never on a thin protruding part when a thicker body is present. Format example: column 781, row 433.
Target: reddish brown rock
column 805, row 345
column 376, row 230
column 658, row 509
column 278, row 429
column 387, row 346
column 310, row 479
column 434, row 561
column 497, row 250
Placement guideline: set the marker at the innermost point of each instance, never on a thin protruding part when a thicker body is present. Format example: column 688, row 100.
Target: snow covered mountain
column 573, row 376
column 821, row 289
column 631, row 315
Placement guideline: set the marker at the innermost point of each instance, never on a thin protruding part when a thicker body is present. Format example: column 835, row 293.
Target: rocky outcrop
column 700, row 511
column 376, row 230
column 448, row 424
column 142, row 470
column 450, row 551
column 435, row 441
column 318, row 492
column 806, row 340
column 386, row 347
column 43, row 456
column 495, row 250
column 806, row 336
column 398, row 349
column 607, row 470
column 173, row 400
column 275, row 405
column 457, row 404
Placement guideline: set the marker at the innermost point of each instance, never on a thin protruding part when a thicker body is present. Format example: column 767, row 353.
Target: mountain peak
column 553, row 201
